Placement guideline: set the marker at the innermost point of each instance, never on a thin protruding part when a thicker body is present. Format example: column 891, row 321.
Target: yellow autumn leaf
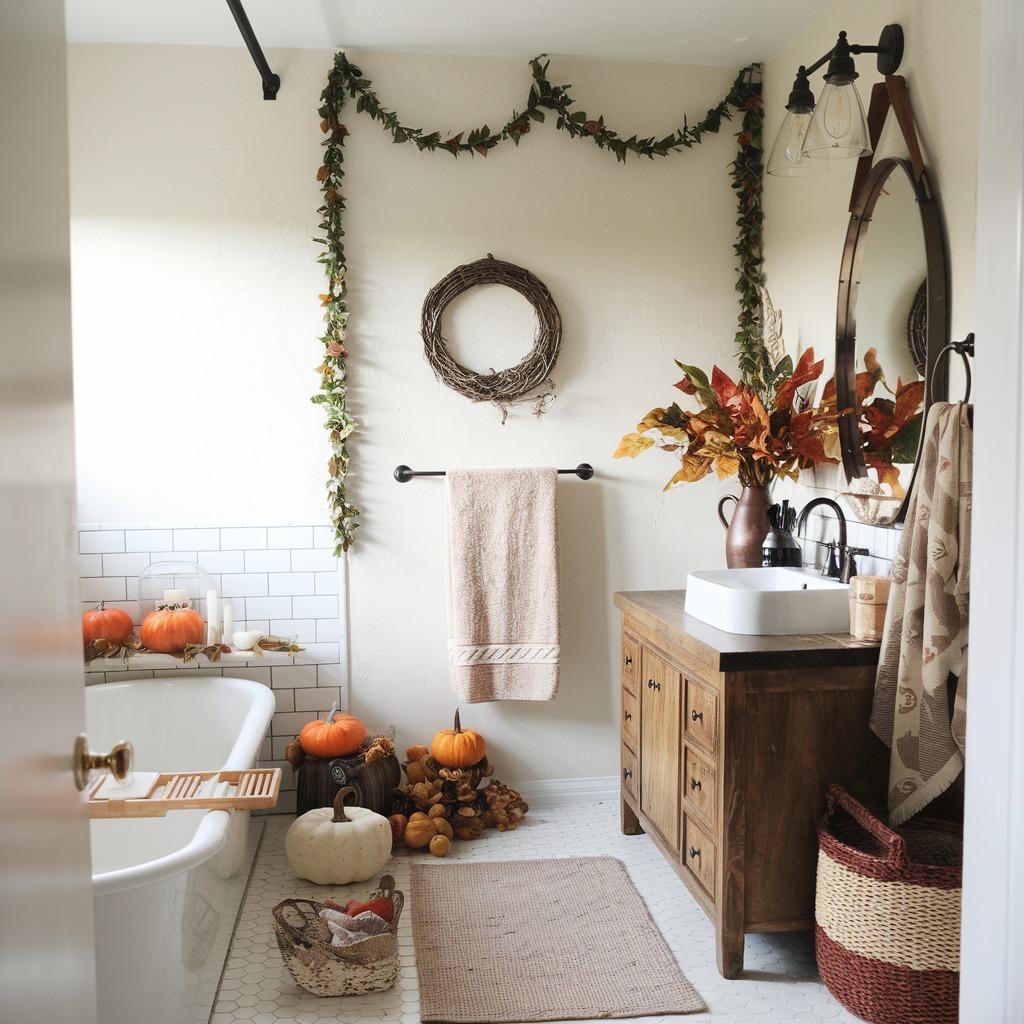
column 655, row 420
column 891, row 475
column 726, row 465
column 632, row 445
column 694, row 467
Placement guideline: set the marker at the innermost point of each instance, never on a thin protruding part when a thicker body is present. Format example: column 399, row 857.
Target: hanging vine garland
column 502, row 387
column 345, row 79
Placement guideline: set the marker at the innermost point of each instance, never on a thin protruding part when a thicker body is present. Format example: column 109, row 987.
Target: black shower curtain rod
column 271, row 82
column 403, row 474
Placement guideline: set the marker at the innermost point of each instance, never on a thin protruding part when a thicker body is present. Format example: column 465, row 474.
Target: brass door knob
column 118, row 762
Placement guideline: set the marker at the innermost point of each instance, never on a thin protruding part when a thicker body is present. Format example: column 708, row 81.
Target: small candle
column 176, row 596
column 247, row 639
column 228, row 629
column 212, row 617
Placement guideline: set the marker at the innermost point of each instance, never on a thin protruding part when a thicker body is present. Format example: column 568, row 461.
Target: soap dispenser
column 780, row 547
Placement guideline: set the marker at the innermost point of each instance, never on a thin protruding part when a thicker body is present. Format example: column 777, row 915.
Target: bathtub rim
column 212, row 831
column 207, row 841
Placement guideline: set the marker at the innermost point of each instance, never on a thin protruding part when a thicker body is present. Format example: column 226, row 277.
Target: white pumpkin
column 339, row 844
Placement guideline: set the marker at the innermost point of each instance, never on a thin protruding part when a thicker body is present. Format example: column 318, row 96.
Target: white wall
column 196, row 324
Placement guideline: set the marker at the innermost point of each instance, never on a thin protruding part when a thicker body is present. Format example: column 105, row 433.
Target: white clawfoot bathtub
column 167, row 890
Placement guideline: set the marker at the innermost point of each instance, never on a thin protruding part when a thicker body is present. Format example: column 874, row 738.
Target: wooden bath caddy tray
column 152, row 794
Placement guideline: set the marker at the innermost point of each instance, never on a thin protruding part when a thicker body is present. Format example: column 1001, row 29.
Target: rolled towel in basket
column 347, row 931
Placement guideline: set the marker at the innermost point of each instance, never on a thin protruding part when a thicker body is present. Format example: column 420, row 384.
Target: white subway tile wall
column 283, row 580
column 879, row 541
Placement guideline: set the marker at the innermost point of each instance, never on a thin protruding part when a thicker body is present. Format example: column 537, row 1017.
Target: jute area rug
column 540, row 940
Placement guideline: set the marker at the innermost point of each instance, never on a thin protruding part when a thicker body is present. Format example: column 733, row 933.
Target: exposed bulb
column 836, row 117
column 838, row 127
column 788, row 157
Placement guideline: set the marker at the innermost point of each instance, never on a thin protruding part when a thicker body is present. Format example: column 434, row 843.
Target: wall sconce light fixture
column 835, row 126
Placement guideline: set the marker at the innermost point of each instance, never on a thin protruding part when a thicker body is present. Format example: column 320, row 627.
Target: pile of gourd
column 441, row 797
column 440, row 801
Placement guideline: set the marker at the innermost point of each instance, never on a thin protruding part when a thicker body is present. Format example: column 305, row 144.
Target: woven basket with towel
column 322, row 966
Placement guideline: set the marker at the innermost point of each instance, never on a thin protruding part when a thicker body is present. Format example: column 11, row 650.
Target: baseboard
column 543, row 792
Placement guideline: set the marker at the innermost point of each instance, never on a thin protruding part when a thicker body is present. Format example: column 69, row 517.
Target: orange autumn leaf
column 805, row 371
column 909, row 402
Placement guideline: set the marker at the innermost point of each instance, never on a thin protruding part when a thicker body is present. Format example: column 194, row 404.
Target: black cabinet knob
column 627, row 716
column 694, row 853
column 627, row 773
column 697, row 716
column 629, row 659
column 695, row 784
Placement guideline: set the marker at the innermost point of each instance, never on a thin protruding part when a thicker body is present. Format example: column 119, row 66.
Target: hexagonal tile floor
column 780, row 983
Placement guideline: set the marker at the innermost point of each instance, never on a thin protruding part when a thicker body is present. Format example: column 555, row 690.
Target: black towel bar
column 403, row 474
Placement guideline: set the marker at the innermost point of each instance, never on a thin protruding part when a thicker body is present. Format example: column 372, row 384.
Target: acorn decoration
column 442, row 783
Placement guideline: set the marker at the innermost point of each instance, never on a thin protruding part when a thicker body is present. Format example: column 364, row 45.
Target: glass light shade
column 789, row 157
column 838, row 128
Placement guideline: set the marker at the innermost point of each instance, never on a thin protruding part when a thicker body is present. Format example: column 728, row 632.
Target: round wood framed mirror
column 892, row 304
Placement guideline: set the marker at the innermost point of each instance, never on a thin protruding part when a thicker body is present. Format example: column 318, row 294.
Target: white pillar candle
column 228, row 629
column 212, row 617
column 176, row 596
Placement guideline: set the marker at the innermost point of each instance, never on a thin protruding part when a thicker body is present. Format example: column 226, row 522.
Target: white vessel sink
column 768, row 602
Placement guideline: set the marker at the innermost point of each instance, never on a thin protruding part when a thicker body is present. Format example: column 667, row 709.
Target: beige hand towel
column 503, row 627
column 921, row 685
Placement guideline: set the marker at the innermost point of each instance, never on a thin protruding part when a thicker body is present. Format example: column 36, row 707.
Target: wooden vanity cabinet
column 728, row 744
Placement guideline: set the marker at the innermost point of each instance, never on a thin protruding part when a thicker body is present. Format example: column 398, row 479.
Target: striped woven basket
column 887, row 914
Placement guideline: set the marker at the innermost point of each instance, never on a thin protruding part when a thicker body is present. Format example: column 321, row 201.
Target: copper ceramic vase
column 746, row 531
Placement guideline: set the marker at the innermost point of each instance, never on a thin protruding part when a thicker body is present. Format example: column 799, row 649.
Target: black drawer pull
column 695, row 784
column 694, row 853
column 627, row 773
column 627, row 716
column 629, row 659
column 652, row 685
column 696, row 716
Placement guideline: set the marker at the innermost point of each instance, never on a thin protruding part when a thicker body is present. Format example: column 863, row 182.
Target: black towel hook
column 963, row 349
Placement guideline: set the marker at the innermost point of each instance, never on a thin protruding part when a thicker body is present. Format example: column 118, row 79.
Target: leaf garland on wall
column 345, row 80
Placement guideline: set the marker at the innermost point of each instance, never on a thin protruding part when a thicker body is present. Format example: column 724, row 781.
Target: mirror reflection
column 883, row 331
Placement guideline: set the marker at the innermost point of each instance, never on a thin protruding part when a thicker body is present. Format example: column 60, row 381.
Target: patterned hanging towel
column 920, row 703
column 503, row 625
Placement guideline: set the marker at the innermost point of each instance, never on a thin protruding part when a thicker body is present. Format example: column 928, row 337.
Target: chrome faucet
column 846, row 566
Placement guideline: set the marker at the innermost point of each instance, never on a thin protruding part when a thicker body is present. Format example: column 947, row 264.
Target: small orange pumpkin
column 336, row 736
column 458, row 747
column 113, row 624
column 168, row 630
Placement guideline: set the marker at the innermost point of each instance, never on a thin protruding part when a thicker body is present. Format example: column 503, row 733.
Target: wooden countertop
column 662, row 611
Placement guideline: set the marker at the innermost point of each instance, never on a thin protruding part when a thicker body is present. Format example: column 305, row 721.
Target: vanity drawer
column 700, row 785
column 630, row 779
column 630, row 664
column 630, row 718
column 699, row 854
column 700, row 715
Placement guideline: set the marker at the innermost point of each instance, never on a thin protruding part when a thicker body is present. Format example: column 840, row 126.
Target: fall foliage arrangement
column 889, row 420
column 759, row 428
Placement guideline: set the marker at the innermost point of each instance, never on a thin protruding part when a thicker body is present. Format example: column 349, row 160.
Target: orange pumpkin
column 168, row 630
column 339, row 735
column 458, row 747
column 113, row 624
